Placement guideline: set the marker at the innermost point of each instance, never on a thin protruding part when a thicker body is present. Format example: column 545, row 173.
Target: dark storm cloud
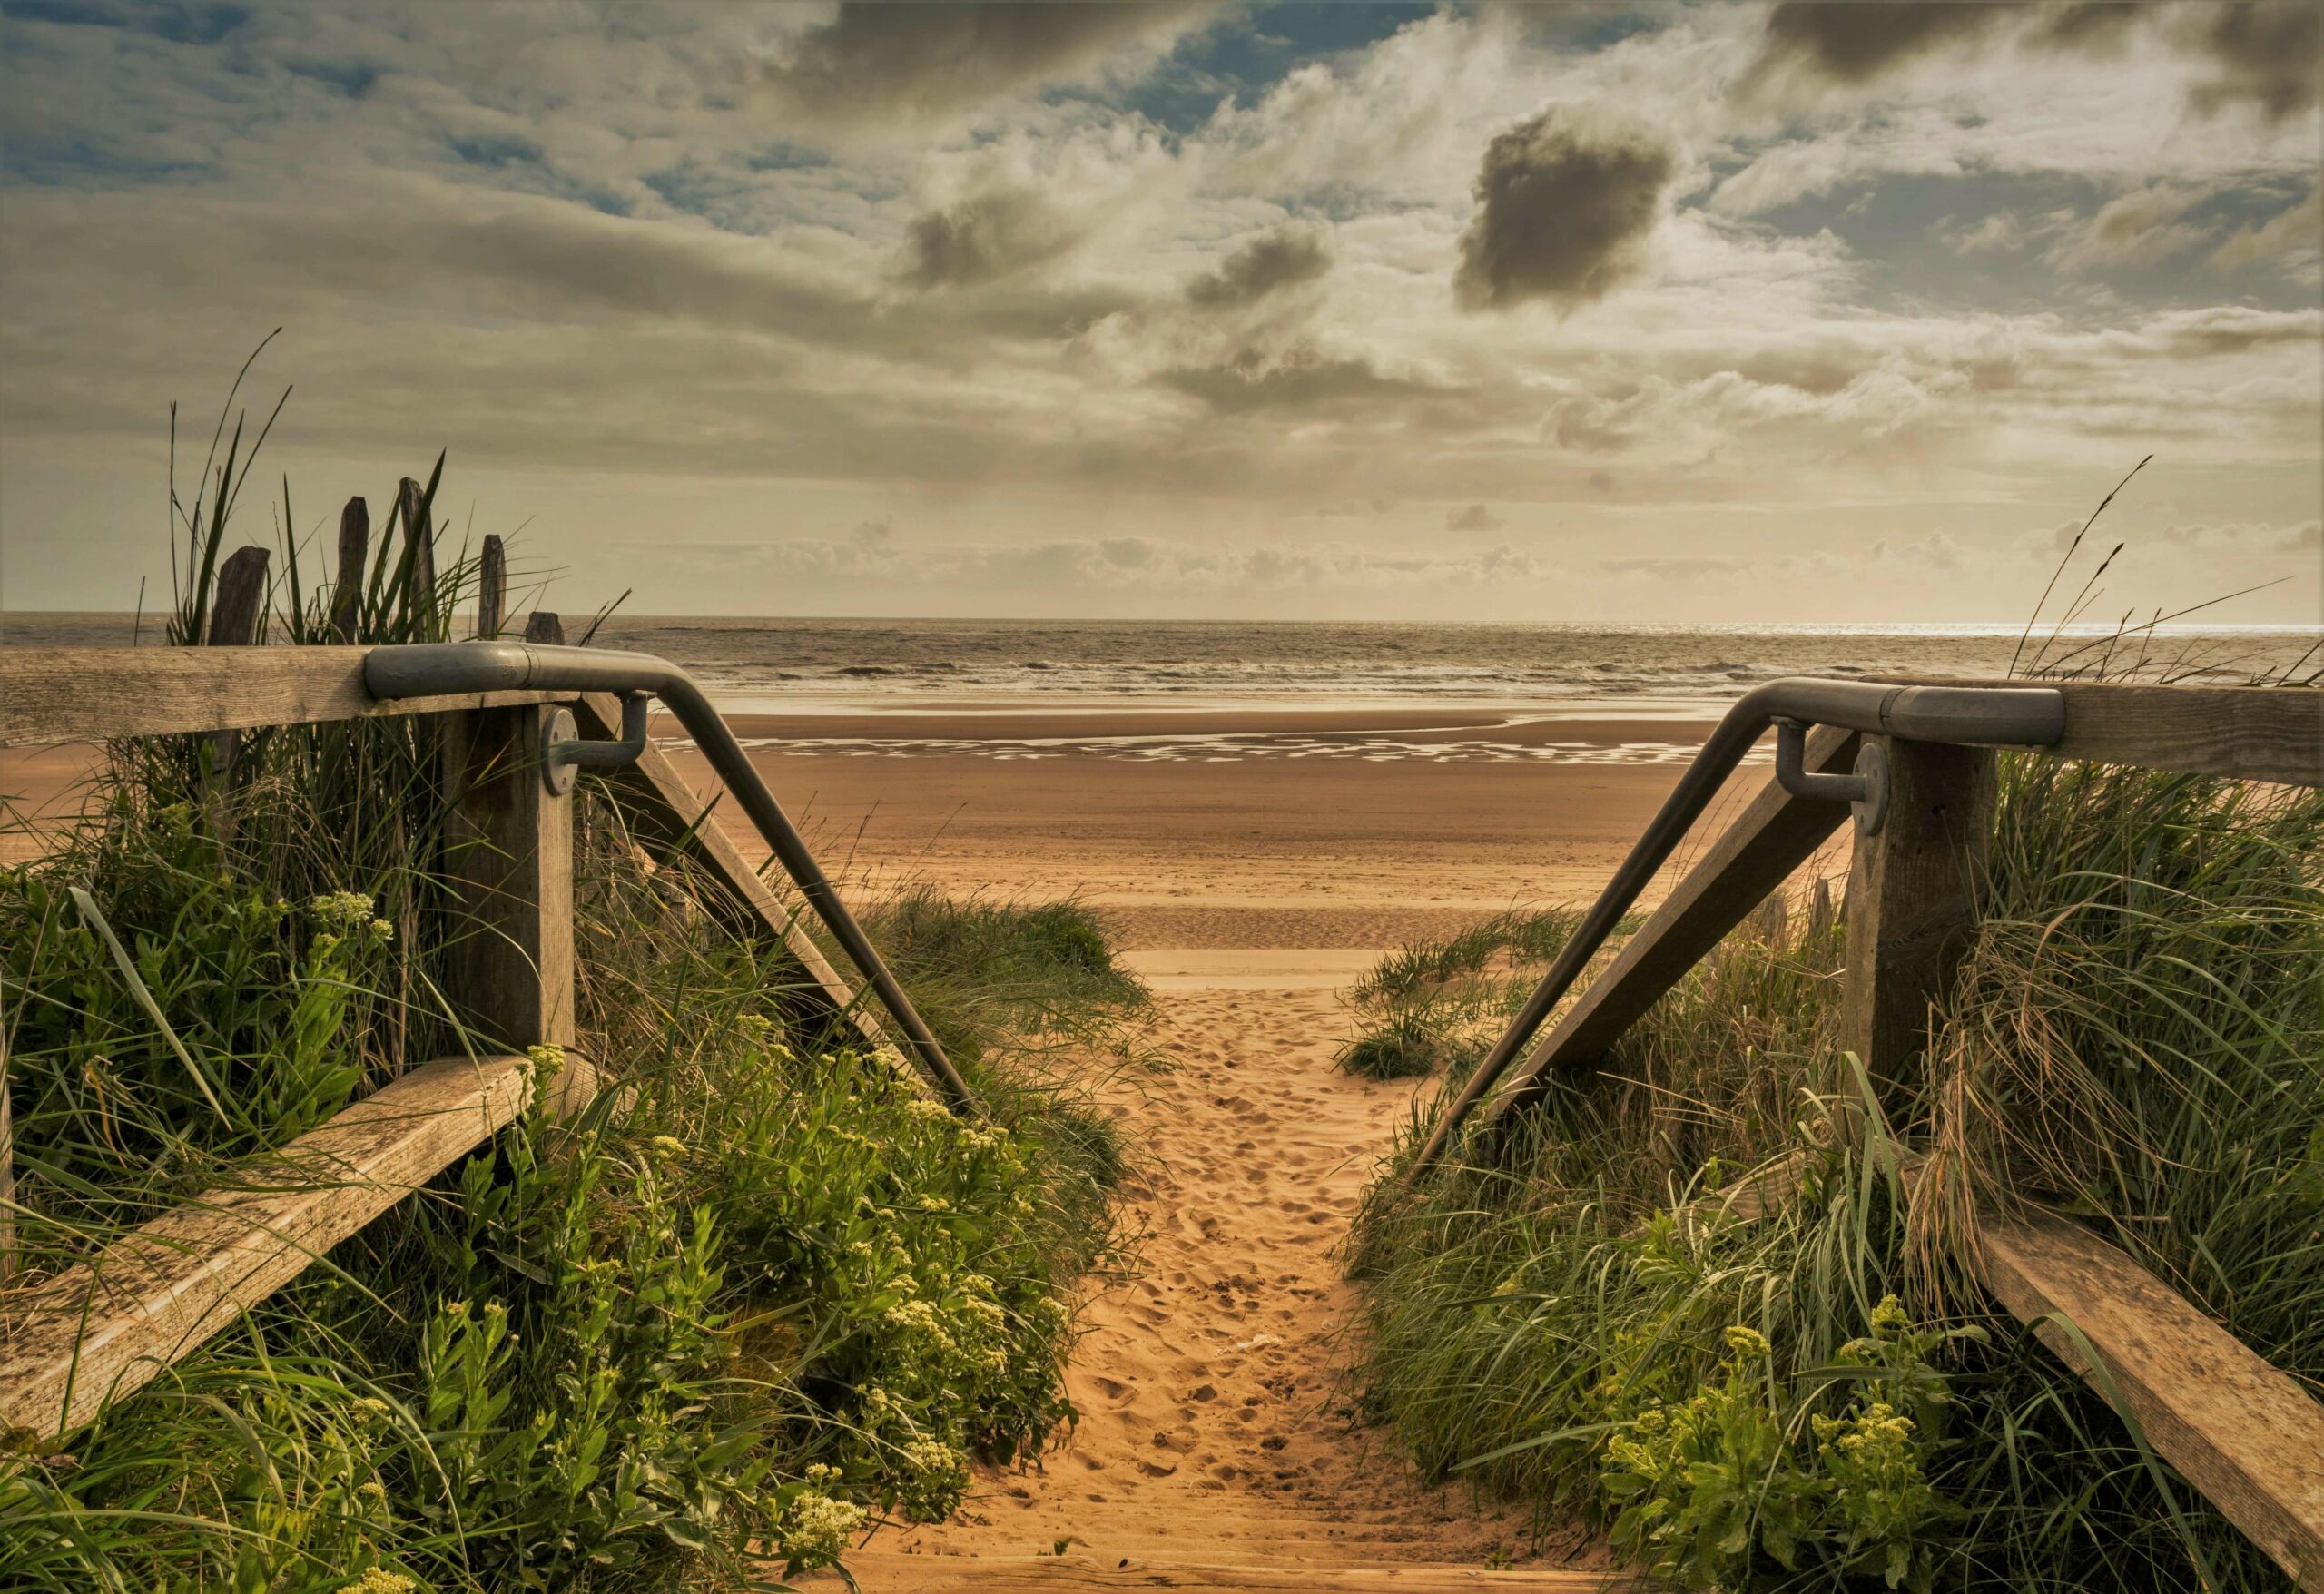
column 1857, row 41
column 1565, row 204
column 2267, row 56
column 985, row 237
column 1282, row 259
column 878, row 60
column 2263, row 52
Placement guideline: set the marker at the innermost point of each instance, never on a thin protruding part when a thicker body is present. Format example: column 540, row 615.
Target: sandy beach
column 1273, row 829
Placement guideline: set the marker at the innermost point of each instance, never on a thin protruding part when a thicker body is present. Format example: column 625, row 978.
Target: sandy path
column 1213, row 1424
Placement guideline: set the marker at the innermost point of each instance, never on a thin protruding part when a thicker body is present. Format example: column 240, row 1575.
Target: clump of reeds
column 1436, row 1005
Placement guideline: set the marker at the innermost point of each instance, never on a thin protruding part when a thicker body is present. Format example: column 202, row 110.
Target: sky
column 1593, row 313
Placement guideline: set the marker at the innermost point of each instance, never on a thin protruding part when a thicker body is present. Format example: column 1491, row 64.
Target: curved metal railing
column 436, row 668
column 1995, row 716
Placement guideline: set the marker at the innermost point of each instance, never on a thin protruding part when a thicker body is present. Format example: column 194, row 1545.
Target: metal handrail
column 1997, row 716
column 439, row 668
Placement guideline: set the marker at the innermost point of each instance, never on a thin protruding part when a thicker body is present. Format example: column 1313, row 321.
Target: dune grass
column 760, row 1293
column 1824, row 1397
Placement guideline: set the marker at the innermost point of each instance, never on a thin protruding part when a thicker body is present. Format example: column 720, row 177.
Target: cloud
column 1853, row 42
column 1565, row 205
column 1288, row 258
column 874, row 62
column 1475, row 517
column 2262, row 54
column 986, row 236
column 2294, row 238
column 1301, row 377
column 2136, row 229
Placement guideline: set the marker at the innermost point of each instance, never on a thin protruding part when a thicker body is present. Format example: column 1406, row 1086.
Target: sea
column 1100, row 668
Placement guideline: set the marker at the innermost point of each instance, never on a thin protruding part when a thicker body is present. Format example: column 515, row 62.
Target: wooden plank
column 96, row 1333
column 2245, row 1434
column 508, row 851
column 1913, row 903
column 1774, row 835
column 892, row 1572
column 2247, row 732
column 50, row 695
column 672, row 813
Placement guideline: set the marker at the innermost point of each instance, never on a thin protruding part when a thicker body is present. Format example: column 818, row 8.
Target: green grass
column 2135, row 1037
column 761, row 1292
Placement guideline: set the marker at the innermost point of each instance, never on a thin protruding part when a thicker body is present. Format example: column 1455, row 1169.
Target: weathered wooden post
column 233, row 622
column 410, row 506
column 1819, row 911
column 510, row 850
column 543, row 627
column 1911, row 902
column 491, row 588
column 354, row 552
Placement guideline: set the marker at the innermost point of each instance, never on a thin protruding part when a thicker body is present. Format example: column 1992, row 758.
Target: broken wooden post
column 233, row 622
column 421, row 536
column 1911, row 902
column 545, row 627
column 491, row 588
column 354, row 552
column 1773, row 919
column 1820, row 918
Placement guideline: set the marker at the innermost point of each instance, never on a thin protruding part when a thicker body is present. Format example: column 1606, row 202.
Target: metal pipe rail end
column 443, row 668
column 563, row 752
column 1864, row 790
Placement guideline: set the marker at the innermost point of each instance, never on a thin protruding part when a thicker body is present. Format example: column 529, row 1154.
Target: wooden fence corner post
column 1912, row 903
column 509, row 851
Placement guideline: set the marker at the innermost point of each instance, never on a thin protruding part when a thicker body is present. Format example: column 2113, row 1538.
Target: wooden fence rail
column 71, row 1344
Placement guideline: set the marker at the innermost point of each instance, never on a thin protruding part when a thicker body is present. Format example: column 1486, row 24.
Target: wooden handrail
column 2234, row 1425
column 100, row 1330
column 2272, row 734
column 51, row 695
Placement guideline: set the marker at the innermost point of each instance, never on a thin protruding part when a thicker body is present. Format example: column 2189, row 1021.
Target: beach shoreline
column 1237, row 827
